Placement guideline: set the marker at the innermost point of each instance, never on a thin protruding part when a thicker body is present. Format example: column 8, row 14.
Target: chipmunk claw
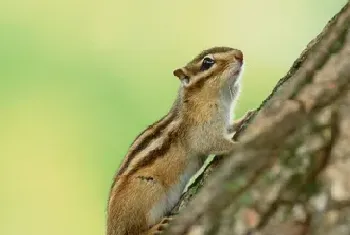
column 160, row 227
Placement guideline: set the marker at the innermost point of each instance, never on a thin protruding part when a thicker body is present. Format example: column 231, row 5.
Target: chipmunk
column 163, row 158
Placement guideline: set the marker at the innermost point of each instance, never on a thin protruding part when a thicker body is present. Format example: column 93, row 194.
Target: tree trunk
column 290, row 173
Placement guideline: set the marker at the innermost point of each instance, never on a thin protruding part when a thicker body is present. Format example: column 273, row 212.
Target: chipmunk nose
column 238, row 56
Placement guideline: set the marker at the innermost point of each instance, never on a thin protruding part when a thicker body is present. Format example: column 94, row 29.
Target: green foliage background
column 79, row 79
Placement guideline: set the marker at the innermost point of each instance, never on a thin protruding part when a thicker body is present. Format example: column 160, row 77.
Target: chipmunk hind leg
column 126, row 215
column 129, row 222
column 129, row 211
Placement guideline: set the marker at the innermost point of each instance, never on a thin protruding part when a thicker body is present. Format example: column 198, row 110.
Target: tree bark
column 290, row 173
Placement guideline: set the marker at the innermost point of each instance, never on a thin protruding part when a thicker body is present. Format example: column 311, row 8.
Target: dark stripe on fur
column 199, row 83
column 143, row 145
column 210, row 51
column 156, row 153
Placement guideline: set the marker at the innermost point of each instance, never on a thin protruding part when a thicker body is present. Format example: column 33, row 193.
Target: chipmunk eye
column 207, row 63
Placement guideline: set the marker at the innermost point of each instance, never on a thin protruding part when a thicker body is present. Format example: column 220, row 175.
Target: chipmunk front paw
column 160, row 227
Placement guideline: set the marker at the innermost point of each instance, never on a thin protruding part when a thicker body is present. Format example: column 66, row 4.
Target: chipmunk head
column 214, row 72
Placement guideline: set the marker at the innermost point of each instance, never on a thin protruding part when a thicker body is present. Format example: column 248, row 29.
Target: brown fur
column 160, row 160
column 144, row 143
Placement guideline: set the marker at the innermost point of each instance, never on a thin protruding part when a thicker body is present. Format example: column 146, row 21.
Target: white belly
column 171, row 198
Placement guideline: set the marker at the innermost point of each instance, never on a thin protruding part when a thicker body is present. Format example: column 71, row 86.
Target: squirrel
column 163, row 158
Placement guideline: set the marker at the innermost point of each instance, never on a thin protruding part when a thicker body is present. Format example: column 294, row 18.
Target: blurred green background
column 80, row 79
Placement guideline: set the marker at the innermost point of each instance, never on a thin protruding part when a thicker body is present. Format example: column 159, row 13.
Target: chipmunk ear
column 180, row 73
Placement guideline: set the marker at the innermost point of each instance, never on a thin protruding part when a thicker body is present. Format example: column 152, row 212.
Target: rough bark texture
column 290, row 173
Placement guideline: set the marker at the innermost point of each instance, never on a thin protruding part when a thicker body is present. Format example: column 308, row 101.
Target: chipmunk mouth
column 240, row 65
column 236, row 72
column 231, row 85
column 232, row 81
